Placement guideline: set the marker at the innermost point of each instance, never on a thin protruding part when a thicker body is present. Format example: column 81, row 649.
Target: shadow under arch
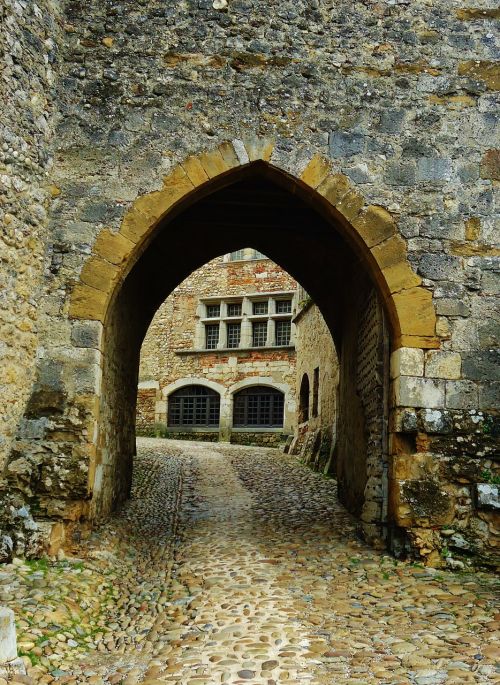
column 318, row 228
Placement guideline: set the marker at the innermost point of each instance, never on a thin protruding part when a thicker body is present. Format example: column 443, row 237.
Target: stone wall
column 171, row 349
column 315, row 350
column 401, row 98
column 29, row 61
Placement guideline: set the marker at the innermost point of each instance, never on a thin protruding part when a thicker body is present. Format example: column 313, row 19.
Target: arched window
column 194, row 405
column 258, row 406
column 304, row 399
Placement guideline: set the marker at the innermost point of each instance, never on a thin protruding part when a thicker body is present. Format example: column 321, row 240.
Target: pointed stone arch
column 370, row 229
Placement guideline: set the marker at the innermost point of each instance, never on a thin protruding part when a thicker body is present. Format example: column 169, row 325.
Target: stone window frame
column 246, row 319
column 266, row 400
column 191, row 400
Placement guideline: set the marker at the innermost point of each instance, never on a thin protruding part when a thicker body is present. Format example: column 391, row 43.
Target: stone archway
column 115, row 278
column 369, row 227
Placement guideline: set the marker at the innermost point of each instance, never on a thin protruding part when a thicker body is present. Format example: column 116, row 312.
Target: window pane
column 258, row 406
column 259, row 333
column 237, row 254
column 233, row 334
column 194, row 405
column 213, row 311
column 283, row 329
column 234, row 309
column 260, row 307
column 283, row 306
column 211, row 336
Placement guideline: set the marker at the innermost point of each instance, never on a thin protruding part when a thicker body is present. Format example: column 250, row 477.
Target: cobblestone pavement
column 237, row 565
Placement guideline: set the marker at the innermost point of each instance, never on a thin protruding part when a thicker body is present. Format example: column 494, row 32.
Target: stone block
column 99, row 274
column 196, row 173
column 415, row 312
column 8, row 644
column 435, row 421
column 488, row 496
column 451, row 307
column 433, row 169
column 346, row 144
column 489, row 396
column 113, row 247
column 334, row 187
column 88, row 303
column 398, row 174
column 482, row 366
column 316, row 171
column 490, row 165
column 443, row 365
column 229, row 155
column 87, row 334
column 400, row 276
column 375, row 225
column 414, row 466
column 392, row 251
column 403, row 420
column 259, row 148
column 461, row 395
column 419, row 392
column 391, row 121
column 440, row 267
column 213, row 163
column 407, row 361
column 351, row 205
column 87, row 379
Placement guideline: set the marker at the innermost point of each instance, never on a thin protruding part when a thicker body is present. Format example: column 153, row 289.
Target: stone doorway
column 347, row 254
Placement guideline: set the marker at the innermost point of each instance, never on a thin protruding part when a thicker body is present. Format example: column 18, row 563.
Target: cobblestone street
column 237, row 565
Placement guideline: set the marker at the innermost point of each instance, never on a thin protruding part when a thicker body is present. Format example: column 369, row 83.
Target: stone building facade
column 218, row 360
column 317, row 380
column 353, row 144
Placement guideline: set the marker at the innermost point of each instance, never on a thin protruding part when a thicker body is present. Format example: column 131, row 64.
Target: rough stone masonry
column 101, row 99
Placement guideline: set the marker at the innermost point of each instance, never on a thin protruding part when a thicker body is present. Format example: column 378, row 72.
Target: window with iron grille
column 233, row 334
column 211, row 336
column 234, row 309
column 282, row 332
column 259, row 407
column 259, row 333
column 213, row 311
column 283, row 306
column 236, row 255
column 260, row 307
column 194, row 405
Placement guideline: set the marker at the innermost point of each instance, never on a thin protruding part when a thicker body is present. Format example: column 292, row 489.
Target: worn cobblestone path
column 237, row 565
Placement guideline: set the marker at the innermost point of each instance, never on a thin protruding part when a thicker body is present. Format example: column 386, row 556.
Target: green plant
column 489, row 477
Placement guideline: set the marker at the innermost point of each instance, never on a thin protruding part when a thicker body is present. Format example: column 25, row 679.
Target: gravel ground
column 237, row 565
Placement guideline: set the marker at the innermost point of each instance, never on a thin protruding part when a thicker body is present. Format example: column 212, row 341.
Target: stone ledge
column 235, row 350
